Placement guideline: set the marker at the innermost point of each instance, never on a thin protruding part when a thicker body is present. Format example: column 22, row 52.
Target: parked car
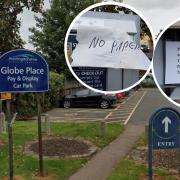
column 120, row 95
column 87, row 97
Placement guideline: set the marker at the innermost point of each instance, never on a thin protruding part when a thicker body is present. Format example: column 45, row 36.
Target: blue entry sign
column 23, row 71
column 165, row 124
column 164, row 133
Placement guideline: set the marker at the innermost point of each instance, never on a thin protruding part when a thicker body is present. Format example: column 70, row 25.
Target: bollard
column 2, row 122
column 1, row 125
column 47, row 124
column 103, row 128
column 146, row 131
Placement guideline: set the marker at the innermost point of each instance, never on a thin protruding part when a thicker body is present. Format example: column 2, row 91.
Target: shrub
column 25, row 104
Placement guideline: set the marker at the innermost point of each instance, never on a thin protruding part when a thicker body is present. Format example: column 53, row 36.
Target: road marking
column 135, row 108
column 112, row 122
column 108, row 115
column 124, row 101
column 120, row 118
column 66, row 118
column 78, row 121
column 114, row 110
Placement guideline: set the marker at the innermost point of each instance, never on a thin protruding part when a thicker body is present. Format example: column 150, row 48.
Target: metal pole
column 1, row 119
column 10, row 139
column 1, row 105
column 150, row 151
column 41, row 168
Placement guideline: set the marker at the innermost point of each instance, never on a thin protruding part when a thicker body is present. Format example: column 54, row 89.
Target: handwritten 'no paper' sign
column 109, row 48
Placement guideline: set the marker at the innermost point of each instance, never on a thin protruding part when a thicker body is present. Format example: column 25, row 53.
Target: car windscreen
column 82, row 92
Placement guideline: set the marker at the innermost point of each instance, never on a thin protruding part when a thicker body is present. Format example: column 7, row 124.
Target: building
column 166, row 62
column 110, row 79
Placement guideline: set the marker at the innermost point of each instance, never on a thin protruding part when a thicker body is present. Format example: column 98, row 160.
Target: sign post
column 164, row 133
column 23, row 71
column 41, row 167
column 10, row 139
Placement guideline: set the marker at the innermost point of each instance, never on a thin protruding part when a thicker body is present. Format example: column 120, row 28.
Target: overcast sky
column 159, row 13
column 27, row 20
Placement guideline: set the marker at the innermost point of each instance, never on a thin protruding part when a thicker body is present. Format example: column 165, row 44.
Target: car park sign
column 23, row 71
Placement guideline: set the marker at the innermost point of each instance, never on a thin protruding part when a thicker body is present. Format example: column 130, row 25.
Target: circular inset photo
column 166, row 63
column 109, row 47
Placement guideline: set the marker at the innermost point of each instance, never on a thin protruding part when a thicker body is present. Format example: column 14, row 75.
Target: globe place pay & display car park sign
column 23, row 71
column 164, row 132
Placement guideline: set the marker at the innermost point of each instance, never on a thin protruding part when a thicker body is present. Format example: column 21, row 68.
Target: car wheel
column 67, row 104
column 104, row 104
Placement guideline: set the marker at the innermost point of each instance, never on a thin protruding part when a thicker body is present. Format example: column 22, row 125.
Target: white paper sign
column 109, row 48
column 172, row 64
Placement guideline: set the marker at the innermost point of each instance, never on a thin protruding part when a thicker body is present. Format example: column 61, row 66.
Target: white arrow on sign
column 166, row 121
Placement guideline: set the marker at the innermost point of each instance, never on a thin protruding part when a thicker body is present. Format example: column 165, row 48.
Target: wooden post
column 47, row 124
column 2, row 123
column 103, row 128
column 1, row 120
column 10, row 139
column 41, row 167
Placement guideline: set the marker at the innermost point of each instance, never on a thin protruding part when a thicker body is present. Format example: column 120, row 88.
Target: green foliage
column 26, row 103
column 149, row 85
column 25, row 131
column 90, row 131
column 10, row 24
column 49, row 33
column 128, row 170
column 56, row 89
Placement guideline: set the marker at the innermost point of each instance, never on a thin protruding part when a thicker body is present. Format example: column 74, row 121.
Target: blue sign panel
column 94, row 77
column 165, row 124
column 23, row 71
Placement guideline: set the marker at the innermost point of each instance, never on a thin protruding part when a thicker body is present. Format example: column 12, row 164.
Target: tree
column 10, row 24
column 49, row 34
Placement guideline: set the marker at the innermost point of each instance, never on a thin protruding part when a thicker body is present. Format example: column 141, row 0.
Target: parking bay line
column 118, row 118
column 135, row 108
column 93, row 110
column 77, row 121
column 119, row 115
column 59, row 118
column 119, row 106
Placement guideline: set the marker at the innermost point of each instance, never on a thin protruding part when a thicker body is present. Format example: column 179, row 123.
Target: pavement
column 101, row 165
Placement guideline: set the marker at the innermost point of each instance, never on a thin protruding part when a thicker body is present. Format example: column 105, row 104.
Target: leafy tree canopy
column 49, row 34
column 10, row 24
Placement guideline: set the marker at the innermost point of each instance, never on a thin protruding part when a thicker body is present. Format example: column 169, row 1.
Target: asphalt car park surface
column 119, row 112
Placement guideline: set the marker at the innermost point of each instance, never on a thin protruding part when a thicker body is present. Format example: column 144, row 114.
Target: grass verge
column 24, row 131
column 129, row 170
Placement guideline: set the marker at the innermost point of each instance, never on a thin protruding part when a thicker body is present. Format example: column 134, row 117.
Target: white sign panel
column 108, row 48
column 172, row 64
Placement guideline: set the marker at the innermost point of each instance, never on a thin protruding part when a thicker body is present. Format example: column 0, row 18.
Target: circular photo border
column 153, row 72
column 72, row 24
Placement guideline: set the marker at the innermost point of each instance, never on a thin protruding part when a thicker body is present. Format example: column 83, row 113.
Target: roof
column 126, row 22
